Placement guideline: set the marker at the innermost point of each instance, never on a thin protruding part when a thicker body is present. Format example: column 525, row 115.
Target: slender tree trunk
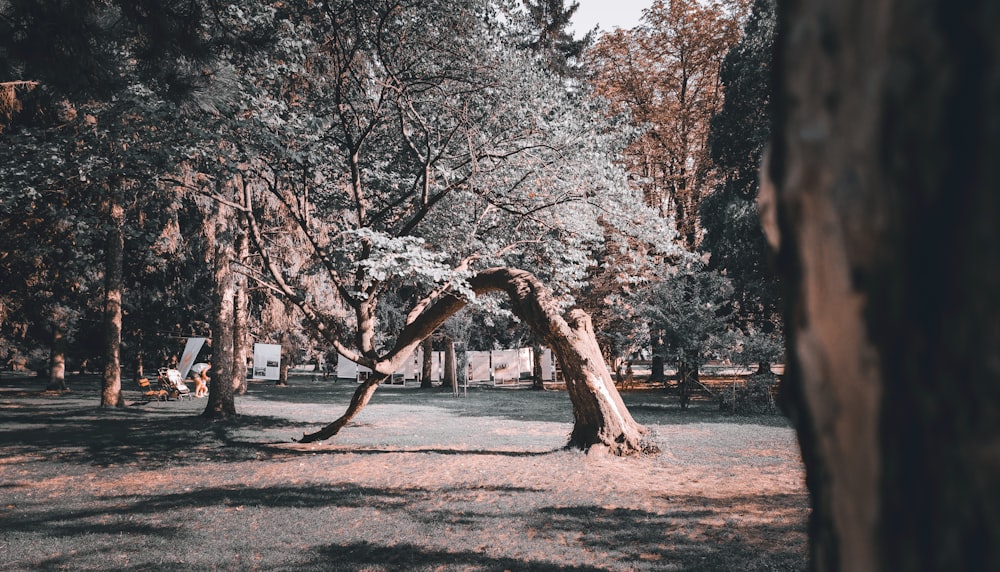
column 286, row 359
column 536, row 367
column 656, row 374
column 241, row 319
column 221, row 403
column 111, row 390
column 684, row 383
column 427, row 367
column 450, row 371
column 888, row 236
column 600, row 417
column 57, row 359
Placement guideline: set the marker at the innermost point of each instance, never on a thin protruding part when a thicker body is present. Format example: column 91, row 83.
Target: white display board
column 506, row 364
column 437, row 366
column 347, row 369
column 412, row 366
column 526, row 362
column 191, row 349
column 548, row 365
column 267, row 361
column 479, row 366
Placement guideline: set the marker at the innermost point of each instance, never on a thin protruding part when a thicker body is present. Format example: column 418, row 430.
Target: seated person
column 199, row 373
column 171, row 381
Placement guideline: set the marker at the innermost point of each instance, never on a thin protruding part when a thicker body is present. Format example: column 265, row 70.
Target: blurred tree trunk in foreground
column 887, row 133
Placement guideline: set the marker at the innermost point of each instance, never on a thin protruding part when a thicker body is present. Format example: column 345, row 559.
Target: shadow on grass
column 73, row 429
column 405, row 556
column 152, row 438
column 753, row 536
column 697, row 533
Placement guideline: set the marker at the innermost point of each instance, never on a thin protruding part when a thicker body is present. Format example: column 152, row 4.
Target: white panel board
column 479, row 366
column 548, row 365
column 266, row 361
column 506, row 364
column 191, row 349
column 526, row 362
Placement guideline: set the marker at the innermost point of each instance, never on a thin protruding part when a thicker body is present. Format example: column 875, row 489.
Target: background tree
column 551, row 38
column 739, row 132
column 145, row 61
column 690, row 309
column 446, row 173
column 665, row 76
column 884, row 159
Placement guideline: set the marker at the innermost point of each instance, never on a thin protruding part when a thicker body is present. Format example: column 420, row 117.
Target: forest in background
column 883, row 139
column 314, row 175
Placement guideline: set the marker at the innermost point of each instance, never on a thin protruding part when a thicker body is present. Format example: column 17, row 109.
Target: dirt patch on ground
column 422, row 480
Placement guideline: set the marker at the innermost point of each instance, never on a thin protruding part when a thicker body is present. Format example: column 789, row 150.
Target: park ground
column 422, row 480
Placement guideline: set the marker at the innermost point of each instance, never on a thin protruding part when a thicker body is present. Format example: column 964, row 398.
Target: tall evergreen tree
column 109, row 76
column 551, row 38
column 739, row 133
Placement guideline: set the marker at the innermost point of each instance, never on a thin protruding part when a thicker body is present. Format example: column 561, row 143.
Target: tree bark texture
column 600, row 417
column 362, row 395
column 450, row 371
column 111, row 389
column 537, row 377
column 427, row 367
column 221, row 401
column 241, row 317
column 887, row 196
column 57, row 359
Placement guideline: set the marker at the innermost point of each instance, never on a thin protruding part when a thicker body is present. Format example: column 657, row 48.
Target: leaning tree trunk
column 887, row 134
column 362, row 395
column 600, row 417
column 111, row 390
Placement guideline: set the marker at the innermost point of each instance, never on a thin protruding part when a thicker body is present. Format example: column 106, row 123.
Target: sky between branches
column 608, row 14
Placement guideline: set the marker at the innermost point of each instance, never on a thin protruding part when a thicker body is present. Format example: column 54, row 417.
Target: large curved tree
column 422, row 156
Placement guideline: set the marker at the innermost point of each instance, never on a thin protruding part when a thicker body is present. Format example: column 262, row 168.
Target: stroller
column 171, row 381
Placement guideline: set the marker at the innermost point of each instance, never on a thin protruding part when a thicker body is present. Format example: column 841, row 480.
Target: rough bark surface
column 362, row 395
column 600, row 417
column 111, row 391
column 427, row 367
column 241, row 317
column 450, row 373
column 57, row 360
column 221, row 403
column 887, row 130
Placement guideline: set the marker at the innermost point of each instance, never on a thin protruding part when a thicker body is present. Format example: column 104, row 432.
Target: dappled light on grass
column 425, row 481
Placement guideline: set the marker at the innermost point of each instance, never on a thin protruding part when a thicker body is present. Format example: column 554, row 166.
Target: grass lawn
column 421, row 480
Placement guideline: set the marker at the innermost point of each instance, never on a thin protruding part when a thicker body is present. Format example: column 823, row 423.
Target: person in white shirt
column 199, row 373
